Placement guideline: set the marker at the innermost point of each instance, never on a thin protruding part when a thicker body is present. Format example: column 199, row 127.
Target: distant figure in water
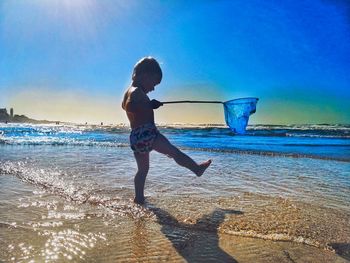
column 145, row 136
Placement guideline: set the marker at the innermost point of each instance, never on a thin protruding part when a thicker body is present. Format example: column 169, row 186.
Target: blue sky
column 72, row 60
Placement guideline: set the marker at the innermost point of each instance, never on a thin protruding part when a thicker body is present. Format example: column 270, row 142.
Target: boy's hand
column 155, row 104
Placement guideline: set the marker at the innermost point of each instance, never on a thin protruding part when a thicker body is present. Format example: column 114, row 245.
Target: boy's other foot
column 139, row 201
column 203, row 167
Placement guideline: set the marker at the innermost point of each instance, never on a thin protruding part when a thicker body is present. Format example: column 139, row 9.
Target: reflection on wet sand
column 140, row 239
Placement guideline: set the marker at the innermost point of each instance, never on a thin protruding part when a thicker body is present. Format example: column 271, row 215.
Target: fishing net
column 237, row 113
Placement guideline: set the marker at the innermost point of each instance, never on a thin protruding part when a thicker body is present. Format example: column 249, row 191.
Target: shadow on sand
column 342, row 249
column 198, row 242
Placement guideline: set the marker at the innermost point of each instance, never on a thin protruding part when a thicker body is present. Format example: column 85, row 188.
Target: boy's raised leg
column 202, row 167
column 162, row 145
column 142, row 161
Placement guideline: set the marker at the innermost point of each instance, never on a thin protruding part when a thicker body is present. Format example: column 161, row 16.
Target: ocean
column 279, row 193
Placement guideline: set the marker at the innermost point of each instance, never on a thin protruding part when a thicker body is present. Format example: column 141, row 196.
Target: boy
column 145, row 136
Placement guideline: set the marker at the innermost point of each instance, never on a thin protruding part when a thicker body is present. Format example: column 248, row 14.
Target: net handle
column 192, row 101
column 206, row 101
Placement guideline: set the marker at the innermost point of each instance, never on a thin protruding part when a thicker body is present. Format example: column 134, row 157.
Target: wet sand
column 43, row 227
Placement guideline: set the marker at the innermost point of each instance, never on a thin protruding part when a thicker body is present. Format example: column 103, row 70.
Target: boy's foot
column 203, row 167
column 139, row 201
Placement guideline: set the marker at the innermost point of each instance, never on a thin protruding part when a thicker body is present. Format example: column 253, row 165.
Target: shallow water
column 66, row 193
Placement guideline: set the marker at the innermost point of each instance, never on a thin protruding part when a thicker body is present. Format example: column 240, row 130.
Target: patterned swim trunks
column 142, row 138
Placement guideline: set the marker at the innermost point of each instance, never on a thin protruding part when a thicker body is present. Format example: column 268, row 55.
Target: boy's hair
column 146, row 65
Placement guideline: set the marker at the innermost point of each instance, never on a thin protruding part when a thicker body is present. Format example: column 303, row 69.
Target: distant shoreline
column 5, row 117
column 25, row 119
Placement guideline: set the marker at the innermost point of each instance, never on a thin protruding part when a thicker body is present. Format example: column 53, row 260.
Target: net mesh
column 237, row 113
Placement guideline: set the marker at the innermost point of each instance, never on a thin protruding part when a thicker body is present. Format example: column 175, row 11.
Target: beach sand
column 48, row 228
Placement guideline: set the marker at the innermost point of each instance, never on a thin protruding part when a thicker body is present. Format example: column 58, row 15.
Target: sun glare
column 83, row 18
